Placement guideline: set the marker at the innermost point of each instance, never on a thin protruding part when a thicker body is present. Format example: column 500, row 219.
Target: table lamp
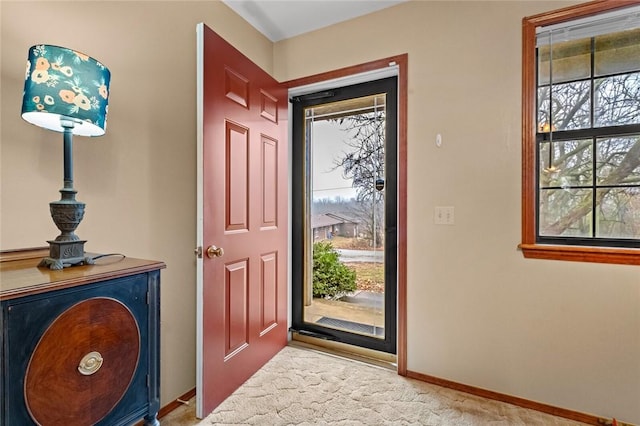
column 66, row 91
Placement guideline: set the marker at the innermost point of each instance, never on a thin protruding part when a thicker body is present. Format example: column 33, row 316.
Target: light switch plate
column 444, row 215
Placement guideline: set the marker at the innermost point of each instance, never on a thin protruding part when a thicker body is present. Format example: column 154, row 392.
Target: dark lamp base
column 63, row 254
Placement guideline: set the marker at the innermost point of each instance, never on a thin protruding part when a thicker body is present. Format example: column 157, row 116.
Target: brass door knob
column 214, row 251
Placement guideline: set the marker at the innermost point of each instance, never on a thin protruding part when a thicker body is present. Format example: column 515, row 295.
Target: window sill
column 581, row 254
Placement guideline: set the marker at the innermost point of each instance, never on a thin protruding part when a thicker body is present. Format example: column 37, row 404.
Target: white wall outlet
column 444, row 215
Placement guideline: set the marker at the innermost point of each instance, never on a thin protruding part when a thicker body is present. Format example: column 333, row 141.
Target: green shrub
column 331, row 277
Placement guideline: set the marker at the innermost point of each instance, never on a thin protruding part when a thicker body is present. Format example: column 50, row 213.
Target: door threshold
column 356, row 353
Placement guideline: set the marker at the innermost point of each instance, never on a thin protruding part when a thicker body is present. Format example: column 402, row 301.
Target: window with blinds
column 588, row 131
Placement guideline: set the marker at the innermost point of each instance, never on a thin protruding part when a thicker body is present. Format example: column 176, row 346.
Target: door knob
column 214, row 251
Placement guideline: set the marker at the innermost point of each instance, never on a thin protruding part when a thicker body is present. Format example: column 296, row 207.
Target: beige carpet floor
column 306, row 387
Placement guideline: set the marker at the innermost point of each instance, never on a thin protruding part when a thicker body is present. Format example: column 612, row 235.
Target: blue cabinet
column 80, row 346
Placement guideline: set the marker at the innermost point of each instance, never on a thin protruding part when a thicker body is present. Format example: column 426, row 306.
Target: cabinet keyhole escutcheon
column 90, row 363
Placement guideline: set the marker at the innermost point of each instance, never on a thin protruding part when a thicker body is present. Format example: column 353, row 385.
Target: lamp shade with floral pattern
column 61, row 83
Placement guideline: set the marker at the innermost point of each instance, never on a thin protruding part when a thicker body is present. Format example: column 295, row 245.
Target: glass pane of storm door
column 345, row 276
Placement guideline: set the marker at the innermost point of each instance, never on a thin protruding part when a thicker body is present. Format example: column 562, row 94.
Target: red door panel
column 236, row 314
column 269, row 182
column 269, row 302
column 237, row 178
column 244, row 210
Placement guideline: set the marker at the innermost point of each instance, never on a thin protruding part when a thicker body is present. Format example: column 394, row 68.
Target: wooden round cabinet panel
column 83, row 364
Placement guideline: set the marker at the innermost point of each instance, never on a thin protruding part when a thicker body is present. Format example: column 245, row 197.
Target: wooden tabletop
column 20, row 275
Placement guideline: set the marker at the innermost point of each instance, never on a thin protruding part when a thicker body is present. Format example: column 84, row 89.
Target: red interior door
column 243, row 311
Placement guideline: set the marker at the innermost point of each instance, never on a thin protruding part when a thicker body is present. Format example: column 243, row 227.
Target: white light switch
column 444, row 215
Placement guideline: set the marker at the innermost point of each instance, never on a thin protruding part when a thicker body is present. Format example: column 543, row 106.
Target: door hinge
column 198, row 252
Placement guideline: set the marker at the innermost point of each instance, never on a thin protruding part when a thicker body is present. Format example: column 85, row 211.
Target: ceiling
column 282, row 19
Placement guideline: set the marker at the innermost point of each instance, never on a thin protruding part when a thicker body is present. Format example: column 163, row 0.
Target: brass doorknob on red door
column 214, row 251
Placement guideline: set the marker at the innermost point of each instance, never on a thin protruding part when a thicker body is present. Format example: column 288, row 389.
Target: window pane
column 618, row 161
column 346, row 152
column 570, row 61
column 617, row 100
column 619, row 213
column 543, row 110
column 617, row 53
column 565, row 212
column 569, row 164
column 571, row 105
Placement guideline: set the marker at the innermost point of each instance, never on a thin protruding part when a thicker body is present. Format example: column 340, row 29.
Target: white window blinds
column 623, row 19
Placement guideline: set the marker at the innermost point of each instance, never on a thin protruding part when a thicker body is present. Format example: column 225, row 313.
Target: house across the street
column 326, row 226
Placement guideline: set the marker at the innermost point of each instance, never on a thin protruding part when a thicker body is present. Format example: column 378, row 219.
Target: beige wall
column 562, row 333
column 566, row 334
column 139, row 179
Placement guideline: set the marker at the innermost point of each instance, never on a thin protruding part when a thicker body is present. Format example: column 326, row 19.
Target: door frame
column 394, row 65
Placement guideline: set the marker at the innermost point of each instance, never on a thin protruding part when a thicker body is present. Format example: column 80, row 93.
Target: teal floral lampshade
column 63, row 83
